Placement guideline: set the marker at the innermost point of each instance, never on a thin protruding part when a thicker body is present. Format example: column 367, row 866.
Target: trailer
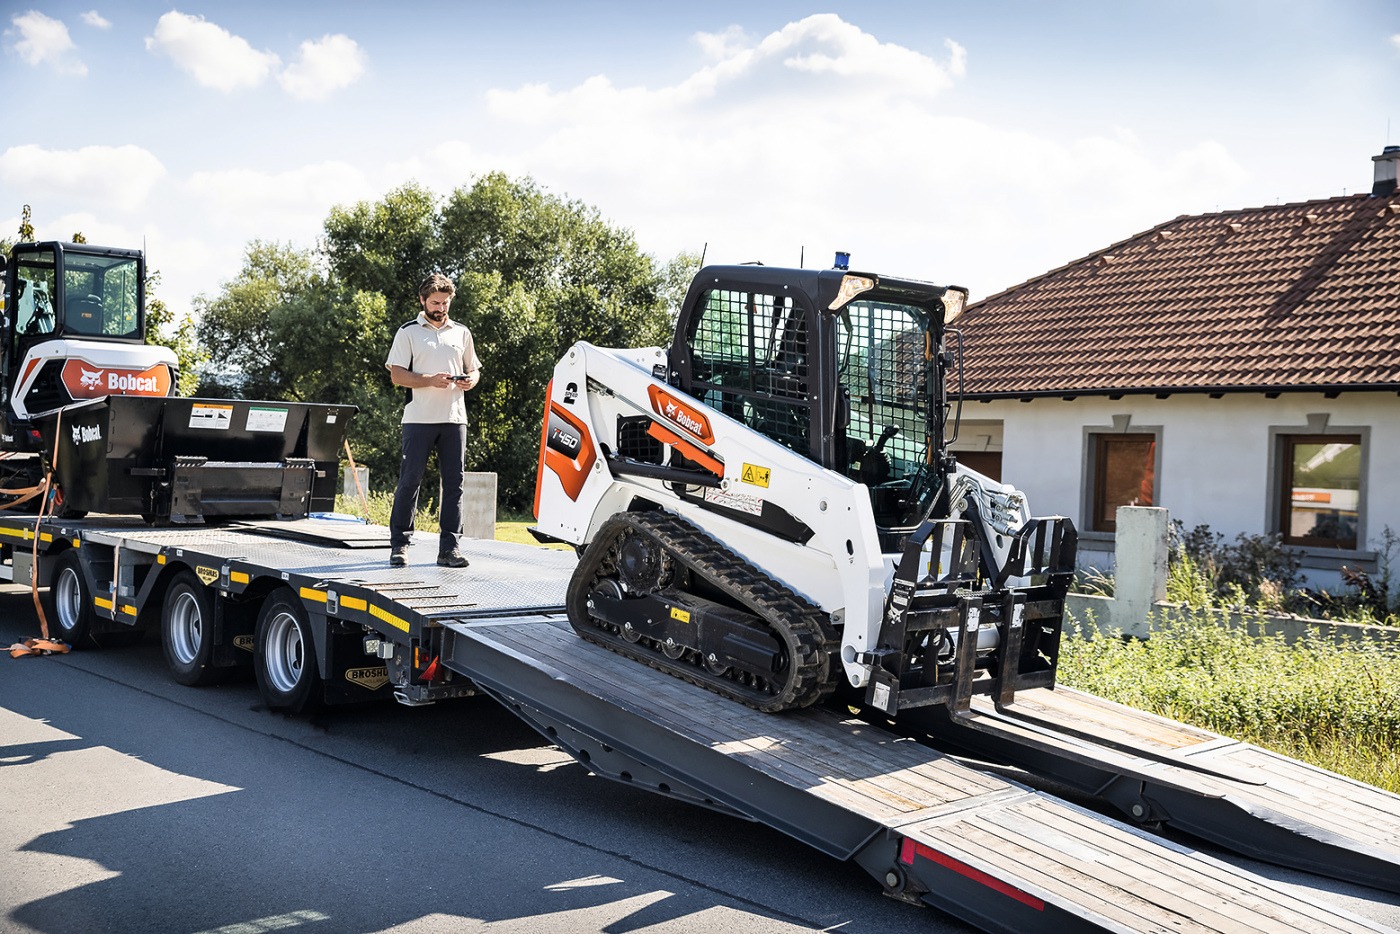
column 312, row 608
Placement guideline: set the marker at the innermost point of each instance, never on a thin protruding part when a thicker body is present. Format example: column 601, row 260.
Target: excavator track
column 808, row 644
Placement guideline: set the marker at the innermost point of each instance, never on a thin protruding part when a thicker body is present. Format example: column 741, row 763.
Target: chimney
column 1386, row 163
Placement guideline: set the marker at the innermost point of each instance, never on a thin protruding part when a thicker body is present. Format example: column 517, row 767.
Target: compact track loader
column 768, row 507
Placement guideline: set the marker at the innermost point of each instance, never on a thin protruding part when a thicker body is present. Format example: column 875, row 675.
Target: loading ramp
column 992, row 852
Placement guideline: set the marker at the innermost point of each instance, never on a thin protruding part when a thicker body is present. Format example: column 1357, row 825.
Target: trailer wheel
column 284, row 658
column 70, row 604
column 187, row 631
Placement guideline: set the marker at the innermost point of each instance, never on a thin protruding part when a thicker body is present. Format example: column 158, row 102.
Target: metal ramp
column 991, row 852
column 1235, row 794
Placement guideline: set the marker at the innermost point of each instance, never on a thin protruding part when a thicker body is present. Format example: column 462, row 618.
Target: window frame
column 1281, row 482
column 1095, row 440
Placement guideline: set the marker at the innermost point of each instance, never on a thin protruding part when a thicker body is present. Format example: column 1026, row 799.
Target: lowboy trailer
column 313, row 609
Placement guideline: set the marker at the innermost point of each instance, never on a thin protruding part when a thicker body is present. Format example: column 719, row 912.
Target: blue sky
column 971, row 143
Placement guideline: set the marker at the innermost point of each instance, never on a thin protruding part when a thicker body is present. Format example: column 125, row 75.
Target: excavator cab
column 74, row 328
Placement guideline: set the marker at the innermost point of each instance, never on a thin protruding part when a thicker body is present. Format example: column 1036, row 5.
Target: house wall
column 1214, row 460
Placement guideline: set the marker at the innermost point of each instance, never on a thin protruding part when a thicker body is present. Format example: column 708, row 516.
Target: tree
column 534, row 272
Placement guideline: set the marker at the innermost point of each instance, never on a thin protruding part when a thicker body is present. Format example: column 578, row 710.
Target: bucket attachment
column 187, row 460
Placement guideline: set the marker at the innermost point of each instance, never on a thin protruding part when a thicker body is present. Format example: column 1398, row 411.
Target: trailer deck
column 930, row 828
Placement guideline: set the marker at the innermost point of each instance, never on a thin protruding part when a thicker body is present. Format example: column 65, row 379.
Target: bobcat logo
column 91, row 379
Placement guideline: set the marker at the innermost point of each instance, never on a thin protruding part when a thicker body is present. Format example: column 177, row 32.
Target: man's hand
column 403, row 377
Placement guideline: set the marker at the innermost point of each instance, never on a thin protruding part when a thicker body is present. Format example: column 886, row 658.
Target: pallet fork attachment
column 936, row 626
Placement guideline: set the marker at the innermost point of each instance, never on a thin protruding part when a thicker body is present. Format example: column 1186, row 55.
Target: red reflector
column 908, row 849
column 433, row 672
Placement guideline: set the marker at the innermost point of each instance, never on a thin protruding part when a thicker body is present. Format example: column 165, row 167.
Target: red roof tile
column 1289, row 297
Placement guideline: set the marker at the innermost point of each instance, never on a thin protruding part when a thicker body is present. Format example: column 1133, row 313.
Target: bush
column 1337, row 706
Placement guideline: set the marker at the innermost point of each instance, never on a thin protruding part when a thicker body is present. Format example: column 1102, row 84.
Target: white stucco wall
column 1214, row 456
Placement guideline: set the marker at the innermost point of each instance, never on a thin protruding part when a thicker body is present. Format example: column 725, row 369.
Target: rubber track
column 812, row 643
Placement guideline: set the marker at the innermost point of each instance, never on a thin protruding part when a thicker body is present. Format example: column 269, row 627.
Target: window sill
column 1317, row 558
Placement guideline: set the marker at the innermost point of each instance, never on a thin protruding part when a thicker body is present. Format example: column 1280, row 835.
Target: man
column 434, row 359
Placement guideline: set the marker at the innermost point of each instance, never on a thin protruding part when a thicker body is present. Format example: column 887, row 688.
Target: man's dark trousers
column 450, row 442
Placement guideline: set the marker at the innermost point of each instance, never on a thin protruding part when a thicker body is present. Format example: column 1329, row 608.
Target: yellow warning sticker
column 756, row 475
column 207, row 575
column 678, row 614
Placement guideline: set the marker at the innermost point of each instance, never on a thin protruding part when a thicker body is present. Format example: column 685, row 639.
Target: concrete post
column 348, row 487
column 479, row 505
column 1140, row 566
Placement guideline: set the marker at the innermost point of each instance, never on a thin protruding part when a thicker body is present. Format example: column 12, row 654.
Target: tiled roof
column 1289, row 297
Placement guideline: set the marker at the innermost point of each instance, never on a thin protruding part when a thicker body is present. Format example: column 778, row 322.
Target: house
column 1241, row 368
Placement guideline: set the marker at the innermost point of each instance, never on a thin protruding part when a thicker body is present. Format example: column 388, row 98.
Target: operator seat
column 84, row 314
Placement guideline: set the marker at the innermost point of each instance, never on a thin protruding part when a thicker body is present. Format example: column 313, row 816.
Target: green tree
column 534, row 273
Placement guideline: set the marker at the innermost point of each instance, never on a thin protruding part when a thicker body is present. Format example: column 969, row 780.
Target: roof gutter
column 1162, row 392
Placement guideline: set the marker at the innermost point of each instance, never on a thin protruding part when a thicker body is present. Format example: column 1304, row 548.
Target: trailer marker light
column 433, row 672
column 908, row 849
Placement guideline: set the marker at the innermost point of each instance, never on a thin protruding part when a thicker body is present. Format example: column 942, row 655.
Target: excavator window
column 102, row 296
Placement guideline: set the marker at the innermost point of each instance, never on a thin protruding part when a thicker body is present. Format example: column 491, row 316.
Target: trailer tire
column 187, row 632
column 284, row 656
column 70, row 603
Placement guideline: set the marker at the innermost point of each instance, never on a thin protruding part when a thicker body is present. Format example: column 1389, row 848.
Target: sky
column 978, row 144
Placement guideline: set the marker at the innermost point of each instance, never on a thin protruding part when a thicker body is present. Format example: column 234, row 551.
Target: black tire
column 284, row 656
column 70, row 602
column 187, row 631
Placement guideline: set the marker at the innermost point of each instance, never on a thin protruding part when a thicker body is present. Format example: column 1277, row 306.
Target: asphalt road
column 131, row 803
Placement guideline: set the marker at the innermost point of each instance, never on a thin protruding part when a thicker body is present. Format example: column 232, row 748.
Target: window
column 1124, row 474
column 1320, row 489
column 749, row 353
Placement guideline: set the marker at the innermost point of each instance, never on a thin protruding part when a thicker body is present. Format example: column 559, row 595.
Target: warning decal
column 756, row 475
column 261, row 418
column 742, row 502
column 218, row 417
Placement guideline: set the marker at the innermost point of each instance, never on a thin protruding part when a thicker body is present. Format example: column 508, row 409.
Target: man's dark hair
column 436, row 282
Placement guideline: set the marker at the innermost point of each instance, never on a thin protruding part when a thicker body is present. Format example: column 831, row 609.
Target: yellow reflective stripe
column 129, row 610
column 17, row 533
column 160, row 559
column 389, row 618
column 318, row 595
column 353, row 603
column 102, row 602
column 77, row 543
column 239, row 577
column 45, row 536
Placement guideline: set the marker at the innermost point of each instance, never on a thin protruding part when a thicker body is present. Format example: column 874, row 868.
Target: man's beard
column 437, row 317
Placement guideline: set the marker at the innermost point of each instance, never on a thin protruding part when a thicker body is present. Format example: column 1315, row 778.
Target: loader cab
column 847, row 369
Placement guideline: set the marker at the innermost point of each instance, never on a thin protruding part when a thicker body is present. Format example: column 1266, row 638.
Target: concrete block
column 479, row 505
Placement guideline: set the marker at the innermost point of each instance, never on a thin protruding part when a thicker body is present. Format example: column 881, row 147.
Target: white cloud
column 96, row 20
column 117, row 176
column 851, row 65
column 1395, row 40
column 331, row 63
column 819, row 137
column 294, row 203
column 211, row 54
column 45, row 41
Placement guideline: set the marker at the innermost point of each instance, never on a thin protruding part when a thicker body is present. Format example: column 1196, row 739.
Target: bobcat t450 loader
column 768, row 508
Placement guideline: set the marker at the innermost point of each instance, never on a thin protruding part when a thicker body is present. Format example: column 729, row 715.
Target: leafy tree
column 534, row 273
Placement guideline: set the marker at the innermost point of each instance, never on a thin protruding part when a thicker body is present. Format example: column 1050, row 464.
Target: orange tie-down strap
column 38, row 647
column 704, row 458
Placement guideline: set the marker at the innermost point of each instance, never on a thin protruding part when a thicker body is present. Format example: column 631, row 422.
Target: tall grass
column 1334, row 705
